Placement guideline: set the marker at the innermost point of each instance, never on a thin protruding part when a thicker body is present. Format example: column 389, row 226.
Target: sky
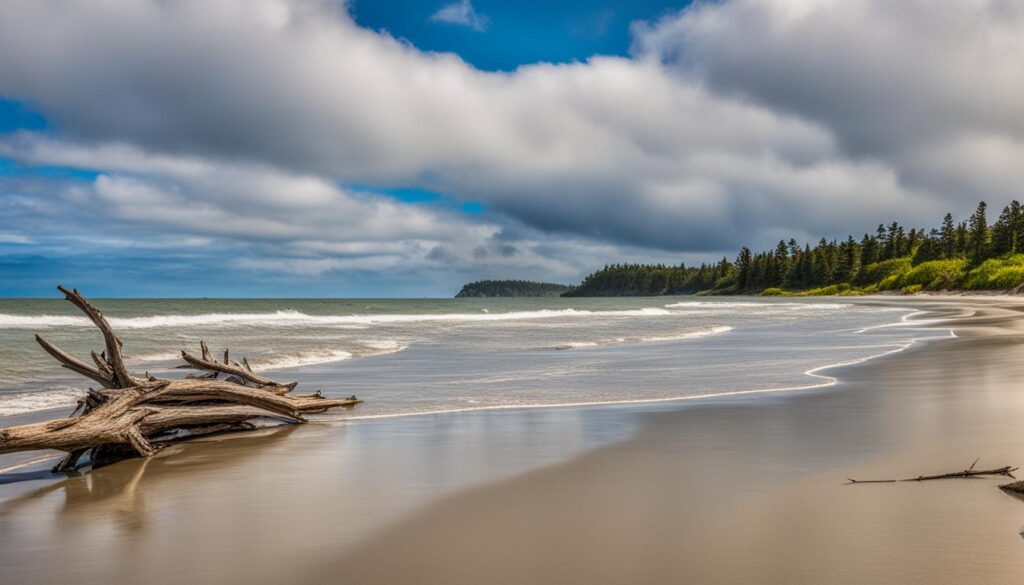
column 297, row 148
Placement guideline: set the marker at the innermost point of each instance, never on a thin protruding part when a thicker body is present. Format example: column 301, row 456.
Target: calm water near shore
column 419, row 356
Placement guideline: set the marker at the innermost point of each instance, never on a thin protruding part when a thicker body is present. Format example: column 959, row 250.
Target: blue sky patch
column 516, row 33
column 16, row 115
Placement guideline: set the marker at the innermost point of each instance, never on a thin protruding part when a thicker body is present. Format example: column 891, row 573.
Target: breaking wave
column 703, row 332
column 308, row 358
column 23, row 402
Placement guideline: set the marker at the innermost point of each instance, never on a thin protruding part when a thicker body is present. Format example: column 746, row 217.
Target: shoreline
column 450, row 473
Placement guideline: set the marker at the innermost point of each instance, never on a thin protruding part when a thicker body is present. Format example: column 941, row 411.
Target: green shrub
column 911, row 289
column 879, row 271
column 841, row 289
column 996, row 273
column 1007, row 277
column 825, row 291
column 936, row 274
column 891, row 282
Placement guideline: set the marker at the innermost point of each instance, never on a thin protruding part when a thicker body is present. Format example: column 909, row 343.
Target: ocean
column 411, row 356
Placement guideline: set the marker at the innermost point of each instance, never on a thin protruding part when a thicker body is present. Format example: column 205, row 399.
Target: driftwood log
column 131, row 415
column 969, row 472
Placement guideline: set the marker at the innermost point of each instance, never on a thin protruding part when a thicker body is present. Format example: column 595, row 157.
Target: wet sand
column 725, row 490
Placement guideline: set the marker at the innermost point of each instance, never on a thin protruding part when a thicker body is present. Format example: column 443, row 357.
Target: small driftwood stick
column 969, row 472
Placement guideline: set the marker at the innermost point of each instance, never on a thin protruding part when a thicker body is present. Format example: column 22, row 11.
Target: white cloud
column 932, row 89
column 279, row 222
column 12, row 238
column 463, row 13
column 734, row 123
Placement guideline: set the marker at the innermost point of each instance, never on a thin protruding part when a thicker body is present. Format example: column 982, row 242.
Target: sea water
column 410, row 356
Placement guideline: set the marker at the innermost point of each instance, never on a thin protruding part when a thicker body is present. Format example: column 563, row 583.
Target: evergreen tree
column 744, row 265
column 1007, row 232
column 929, row 249
column 948, row 236
column 978, row 235
column 960, row 248
column 781, row 264
column 848, row 262
column 868, row 250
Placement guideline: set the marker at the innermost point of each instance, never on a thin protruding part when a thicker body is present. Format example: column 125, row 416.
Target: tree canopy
column 969, row 254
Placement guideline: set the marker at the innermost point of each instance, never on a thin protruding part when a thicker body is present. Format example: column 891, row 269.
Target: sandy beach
column 724, row 490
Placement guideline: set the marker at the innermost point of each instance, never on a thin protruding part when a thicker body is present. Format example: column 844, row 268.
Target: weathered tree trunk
column 133, row 415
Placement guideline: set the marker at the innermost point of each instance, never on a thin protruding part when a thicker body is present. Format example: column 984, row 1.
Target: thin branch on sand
column 969, row 472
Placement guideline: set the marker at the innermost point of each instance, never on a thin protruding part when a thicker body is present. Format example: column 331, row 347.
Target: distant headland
column 511, row 288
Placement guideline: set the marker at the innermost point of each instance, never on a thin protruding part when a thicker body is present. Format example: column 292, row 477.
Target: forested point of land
column 511, row 288
column 966, row 255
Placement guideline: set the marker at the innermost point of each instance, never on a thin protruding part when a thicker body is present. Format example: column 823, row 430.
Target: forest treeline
column 511, row 288
column 971, row 254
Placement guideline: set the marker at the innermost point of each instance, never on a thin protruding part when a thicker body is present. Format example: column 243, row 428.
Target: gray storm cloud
column 736, row 122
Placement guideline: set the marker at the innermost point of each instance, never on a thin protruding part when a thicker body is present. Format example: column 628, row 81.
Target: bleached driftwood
column 133, row 415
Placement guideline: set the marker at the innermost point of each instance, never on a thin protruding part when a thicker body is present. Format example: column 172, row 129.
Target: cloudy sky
column 386, row 148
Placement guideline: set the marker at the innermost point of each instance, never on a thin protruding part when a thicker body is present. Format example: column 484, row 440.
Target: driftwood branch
column 76, row 365
column 969, row 472
column 136, row 415
column 244, row 371
column 122, row 377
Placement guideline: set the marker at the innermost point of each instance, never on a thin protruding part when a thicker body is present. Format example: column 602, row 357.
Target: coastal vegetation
column 968, row 255
column 511, row 288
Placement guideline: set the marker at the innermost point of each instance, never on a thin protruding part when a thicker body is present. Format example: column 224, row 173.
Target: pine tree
column 1003, row 236
column 868, row 250
column 781, row 264
column 960, row 248
column 849, row 259
column 1017, row 226
column 929, row 249
column 744, row 265
column 948, row 236
column 978, row 236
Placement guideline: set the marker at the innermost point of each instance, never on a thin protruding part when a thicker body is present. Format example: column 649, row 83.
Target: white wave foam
column 303, row 359
column 8, row 321
column 577, row 344
column 22, row 402
column 163, row 356
column 318, row 356
column 291, row 318
column 703, row 332
column 383, row 346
